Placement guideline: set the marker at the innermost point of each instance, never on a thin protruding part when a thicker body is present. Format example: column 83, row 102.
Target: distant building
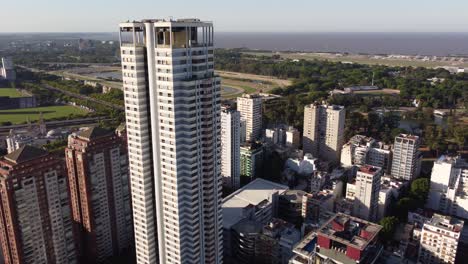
column 362, row 150
column 7, row 70
column 324, row 131
column 449, row 187
column 251, row 159
column 305, row 166
column 342, row 239
column 283, row 135
column 36, row 222
column 16, row 141
column 439, row 240
column 250, row 108
column 293, row 137
column 34, row 135
column 230, row 148
column 316, row 181
column 257, row 202
column 97, row 164
column 366, row 200
column 406, row 164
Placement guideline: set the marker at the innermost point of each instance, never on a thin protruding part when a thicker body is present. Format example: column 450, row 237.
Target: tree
column 388, row 224
column 404, row 205
column 419, row 190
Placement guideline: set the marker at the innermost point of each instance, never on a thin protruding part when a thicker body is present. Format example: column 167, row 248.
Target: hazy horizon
column 241, row 15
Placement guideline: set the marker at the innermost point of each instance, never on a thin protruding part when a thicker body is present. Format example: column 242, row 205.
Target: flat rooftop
column 254, row 194
column 351, row 235
column 446, row 222
column 408, row 136
column 182, row 22
column 369, row 169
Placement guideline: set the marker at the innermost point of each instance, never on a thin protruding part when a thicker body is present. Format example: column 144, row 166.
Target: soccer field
column 18, row 116
column 10, row 92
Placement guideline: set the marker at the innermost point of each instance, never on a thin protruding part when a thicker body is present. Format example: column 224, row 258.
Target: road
column 62, row 123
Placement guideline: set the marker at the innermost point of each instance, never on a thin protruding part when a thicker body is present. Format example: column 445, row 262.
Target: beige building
column 439, row 239
column 324, row 131
column 250, row 108
column 366, row 198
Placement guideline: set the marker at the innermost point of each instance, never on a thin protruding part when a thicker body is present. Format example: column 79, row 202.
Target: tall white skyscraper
column 172, row 101
column 324, row 131
column 406, row 163
column 250, row 108
column 366, row 199
column 230, row 148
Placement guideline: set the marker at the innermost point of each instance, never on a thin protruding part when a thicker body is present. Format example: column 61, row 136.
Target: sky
column 240, row 15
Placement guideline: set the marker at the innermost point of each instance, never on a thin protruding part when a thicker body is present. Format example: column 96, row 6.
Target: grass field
column 18, row 116
column 249, row 83
column 10, row 92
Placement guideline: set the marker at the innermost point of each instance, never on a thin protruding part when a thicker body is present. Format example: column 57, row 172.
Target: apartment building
column 439, row 240
column 36, row 224
column 366, row 198
column 360, row 150
column 172, row 108
column 323, row 134
column 250, row 108
column 449, row 187
column 230, row 148
column 406, row 164
column 97, row 165
column 251, row 159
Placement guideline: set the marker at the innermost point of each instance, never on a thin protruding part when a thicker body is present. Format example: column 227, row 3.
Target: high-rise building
column 35, row 222
column 172, row 102
column 439, row 239
column 406, row 163
column 250, row 108
column 97, row 165
column 251, row 159
column 324, row 131
column 366, row 198
column 449, row 187
column 230, row 148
